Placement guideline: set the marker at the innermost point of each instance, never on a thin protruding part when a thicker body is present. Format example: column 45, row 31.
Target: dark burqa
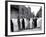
column 35, row 23
column 23, row 24
column 11, row 26
column 19, row 24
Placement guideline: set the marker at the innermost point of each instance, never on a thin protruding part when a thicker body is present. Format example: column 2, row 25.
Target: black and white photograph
column 25, row 18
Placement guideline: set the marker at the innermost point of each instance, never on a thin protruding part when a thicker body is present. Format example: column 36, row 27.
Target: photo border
column 6, row 18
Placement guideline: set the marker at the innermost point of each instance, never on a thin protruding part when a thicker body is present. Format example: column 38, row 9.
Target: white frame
column 21, row 33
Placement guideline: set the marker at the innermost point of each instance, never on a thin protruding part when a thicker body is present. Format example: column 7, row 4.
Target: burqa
column 23, row 24
column 19, row 23
column 35, row 23
column 11, row 26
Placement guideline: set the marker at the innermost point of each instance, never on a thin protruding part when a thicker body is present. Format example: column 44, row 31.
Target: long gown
column 23, row 24
column 11, row 26
column 35, row 23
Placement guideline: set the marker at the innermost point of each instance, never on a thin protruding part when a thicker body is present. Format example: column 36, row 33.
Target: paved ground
column 28, row 30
